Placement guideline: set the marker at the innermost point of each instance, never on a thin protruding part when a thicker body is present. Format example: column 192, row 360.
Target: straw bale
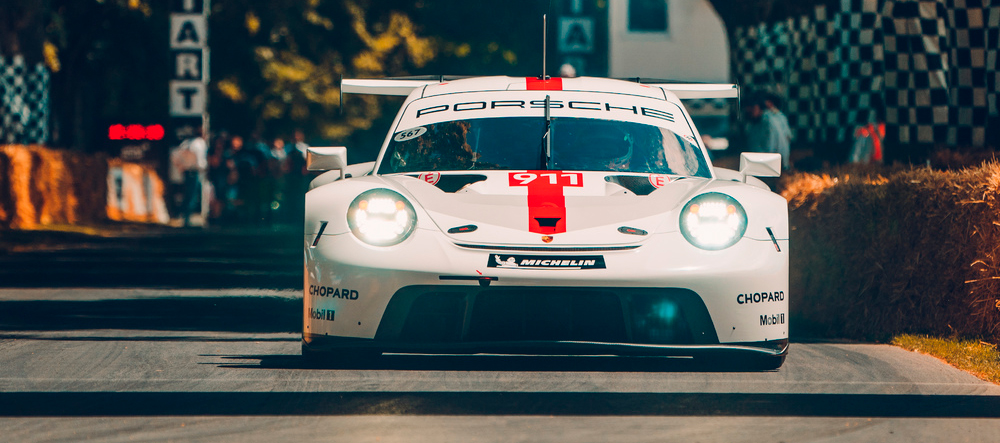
column 52, row 194
column 22, row 211
column 6, row 200
column 42, row 186
column 90, row 185
column 906, row 250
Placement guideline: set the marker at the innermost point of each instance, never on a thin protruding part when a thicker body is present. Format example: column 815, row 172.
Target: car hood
column 550, row 208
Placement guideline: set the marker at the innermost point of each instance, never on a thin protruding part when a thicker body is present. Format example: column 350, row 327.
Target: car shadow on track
column 234, row 313
column 486, row 363
column 491, row 403
column 143, row 338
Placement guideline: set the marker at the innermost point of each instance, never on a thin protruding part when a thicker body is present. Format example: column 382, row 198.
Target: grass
column 976, row 357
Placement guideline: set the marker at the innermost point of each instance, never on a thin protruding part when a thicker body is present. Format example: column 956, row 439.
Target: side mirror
column 760, row 164
column 326, row 158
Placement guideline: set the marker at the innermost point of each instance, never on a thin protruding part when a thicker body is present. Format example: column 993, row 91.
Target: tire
column 745, row 363
column 768, row 363
column 341, row 357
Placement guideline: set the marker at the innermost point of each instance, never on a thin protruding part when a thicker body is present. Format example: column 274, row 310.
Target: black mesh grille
column 455, row 314
column 435, row 317
column 547, row 315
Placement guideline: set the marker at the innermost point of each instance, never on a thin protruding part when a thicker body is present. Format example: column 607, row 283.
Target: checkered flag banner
column 931, row 66
column 24, row 102
column 993, row 59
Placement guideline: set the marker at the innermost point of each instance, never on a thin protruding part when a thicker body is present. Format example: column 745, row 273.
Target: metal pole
column 545, row 35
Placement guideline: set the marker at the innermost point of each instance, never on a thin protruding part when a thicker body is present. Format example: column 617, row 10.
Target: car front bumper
column 664, row 297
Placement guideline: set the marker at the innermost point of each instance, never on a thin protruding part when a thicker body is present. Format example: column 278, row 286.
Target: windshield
column 518, row 143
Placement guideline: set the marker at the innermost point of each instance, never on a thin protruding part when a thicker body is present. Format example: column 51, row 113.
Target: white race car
column 567, row 216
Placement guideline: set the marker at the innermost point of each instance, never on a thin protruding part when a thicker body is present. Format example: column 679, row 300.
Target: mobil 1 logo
column 321, row 314
column 772, row 319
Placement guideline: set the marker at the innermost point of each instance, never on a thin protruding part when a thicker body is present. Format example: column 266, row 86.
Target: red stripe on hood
column 546, row 201
column 537, row 84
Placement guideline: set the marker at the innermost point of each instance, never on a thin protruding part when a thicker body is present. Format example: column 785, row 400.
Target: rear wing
column 391, row 85
column 686, row 91
column 402, row 86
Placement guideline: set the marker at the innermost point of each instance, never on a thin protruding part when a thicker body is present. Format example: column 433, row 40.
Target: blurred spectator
column 868, row 136
column 175, row 179
column 567, row 71
column 191, row 159
column 867, row 146
column 297, row 155
column 296, row 180
column 781, row 132
column 231, row 197
column 758, row 132
column 768, row 130
column 218, row 173
column 257, row 199
column 274, row 182
column 251, row 162
column 277, row 156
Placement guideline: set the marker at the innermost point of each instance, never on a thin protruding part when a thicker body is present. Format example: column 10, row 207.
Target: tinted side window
column 647, row 15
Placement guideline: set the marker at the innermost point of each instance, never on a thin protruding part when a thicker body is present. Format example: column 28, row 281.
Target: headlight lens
column 713, row 221
column 381, row 217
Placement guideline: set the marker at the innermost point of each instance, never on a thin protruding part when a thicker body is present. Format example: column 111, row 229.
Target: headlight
column 381, row 217
column 713, row 221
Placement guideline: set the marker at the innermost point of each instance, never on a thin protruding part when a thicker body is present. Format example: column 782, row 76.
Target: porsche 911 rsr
column 560, row 216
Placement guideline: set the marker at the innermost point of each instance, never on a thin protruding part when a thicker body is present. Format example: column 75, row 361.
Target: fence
column 931, row 66
column 24, row 102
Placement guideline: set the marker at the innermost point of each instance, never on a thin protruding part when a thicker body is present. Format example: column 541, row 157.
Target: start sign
column 187, row 98
column 576, row 34
column 190, row 64
column 189, row 51
column 188, row 31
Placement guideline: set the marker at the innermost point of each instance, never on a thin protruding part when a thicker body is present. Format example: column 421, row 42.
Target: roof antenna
column 545, row 34
column 340, row 83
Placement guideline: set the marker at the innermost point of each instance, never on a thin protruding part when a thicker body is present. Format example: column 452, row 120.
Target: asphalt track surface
column 185, row 350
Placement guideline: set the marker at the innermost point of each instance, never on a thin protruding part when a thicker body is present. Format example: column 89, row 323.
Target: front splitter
column 321, row 343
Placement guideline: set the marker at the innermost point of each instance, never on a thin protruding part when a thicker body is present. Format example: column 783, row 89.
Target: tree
column 283, row 59
column 22, row 28
column 275, row 64
column 103, row 57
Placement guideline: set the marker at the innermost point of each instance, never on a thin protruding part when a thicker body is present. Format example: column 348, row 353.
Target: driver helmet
column 606, row 147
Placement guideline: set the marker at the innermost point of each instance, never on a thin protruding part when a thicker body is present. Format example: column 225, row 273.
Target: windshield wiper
column 547, row 137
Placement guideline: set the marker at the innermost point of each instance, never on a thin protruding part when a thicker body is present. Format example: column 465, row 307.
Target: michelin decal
column 546, row 262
